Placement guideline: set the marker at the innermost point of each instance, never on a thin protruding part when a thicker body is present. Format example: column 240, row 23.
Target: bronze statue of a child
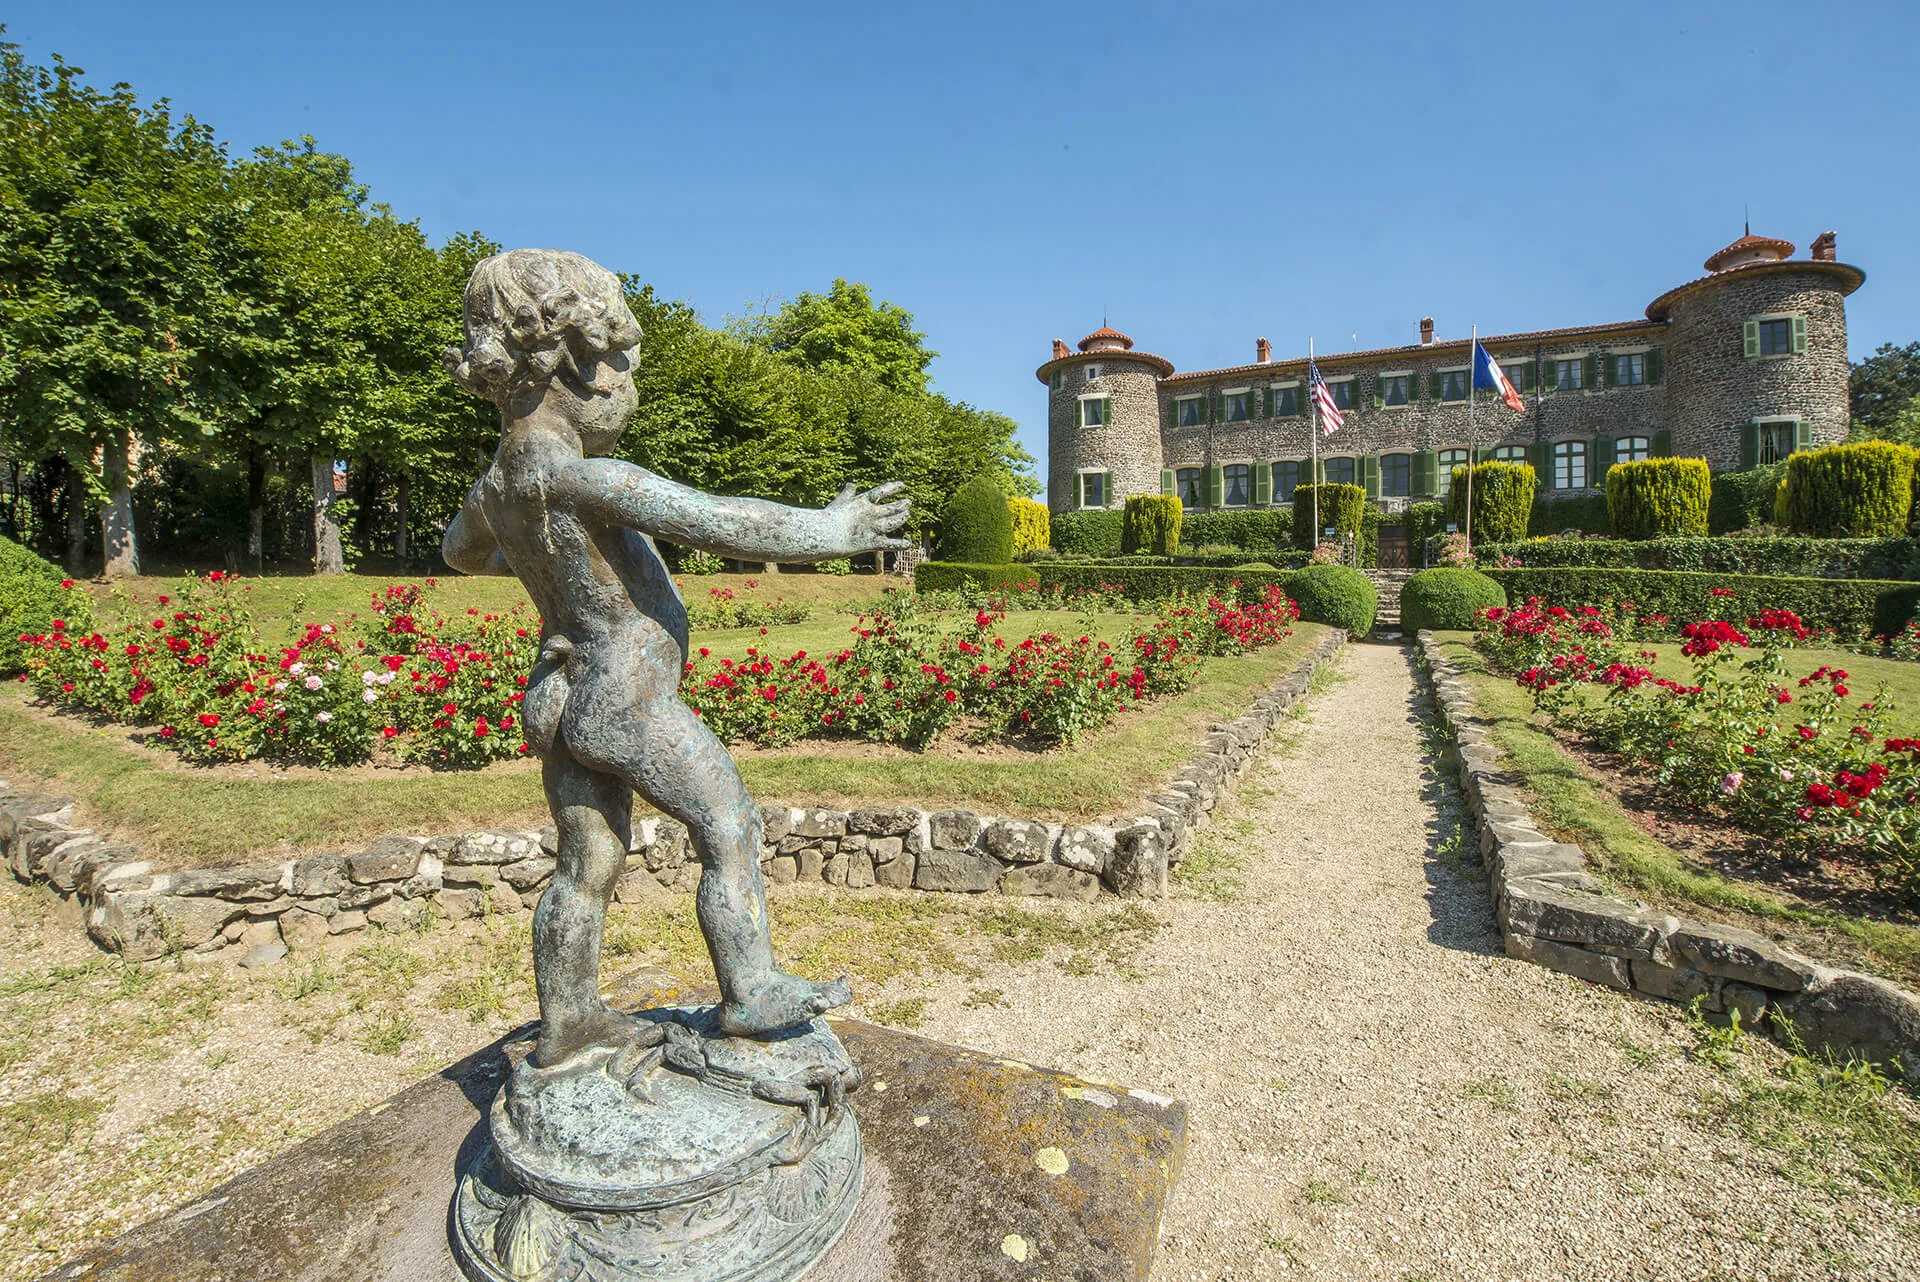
column 551, row 341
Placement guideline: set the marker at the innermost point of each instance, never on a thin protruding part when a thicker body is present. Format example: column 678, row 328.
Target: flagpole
column 1473, row 376
column 1314, row 433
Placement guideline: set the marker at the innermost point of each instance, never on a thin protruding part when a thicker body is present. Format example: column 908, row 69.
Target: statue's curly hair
column 530, row 313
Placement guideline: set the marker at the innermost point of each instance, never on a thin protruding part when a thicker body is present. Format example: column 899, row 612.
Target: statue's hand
column 866, row 522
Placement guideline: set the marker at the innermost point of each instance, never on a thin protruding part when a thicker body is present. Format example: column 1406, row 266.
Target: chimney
column 1060, row 349
column 1426, row 331
column 1262, row 352
column 1822, row 251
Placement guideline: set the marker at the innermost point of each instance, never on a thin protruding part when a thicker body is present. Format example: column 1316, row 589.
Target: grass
column 1570, row 799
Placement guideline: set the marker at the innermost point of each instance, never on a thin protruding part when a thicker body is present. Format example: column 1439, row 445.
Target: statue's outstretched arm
column 617, row 493
column 469, row 545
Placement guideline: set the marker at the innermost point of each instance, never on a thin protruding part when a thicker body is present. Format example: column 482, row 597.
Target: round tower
column 1103, row 422
column 1757, row 352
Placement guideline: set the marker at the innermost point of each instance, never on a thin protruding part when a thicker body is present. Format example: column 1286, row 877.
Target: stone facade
column 1690, row 386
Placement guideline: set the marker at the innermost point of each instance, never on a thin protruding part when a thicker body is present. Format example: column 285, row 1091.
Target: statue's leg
column 678, row 765
column 592, row 812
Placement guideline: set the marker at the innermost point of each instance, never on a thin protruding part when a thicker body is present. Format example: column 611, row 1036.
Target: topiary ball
column 1335, row 595
column 1446, row 599
column 975, row 526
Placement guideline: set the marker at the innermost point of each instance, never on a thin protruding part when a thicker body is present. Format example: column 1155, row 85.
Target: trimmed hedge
column 1502, row 500
column 1256, row 529
column 1795, row 557
column 976, row 526
column 1335, row 595
column 1658, row 498
column 1744, row 500
column 1446, row 597
column 1424, row 520
column 1586, row 514
column 932, row 576
column 1341, row 506
column 1087, row 533
column 1030, row 526
column 31, row 598
column 1150, row 523
column 1853, row 608
column 1864, row 490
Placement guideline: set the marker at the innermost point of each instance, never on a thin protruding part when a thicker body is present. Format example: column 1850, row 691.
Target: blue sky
column 1201, row 174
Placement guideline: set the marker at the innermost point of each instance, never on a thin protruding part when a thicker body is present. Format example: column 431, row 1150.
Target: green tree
column 845, row 330
column 1883, row 385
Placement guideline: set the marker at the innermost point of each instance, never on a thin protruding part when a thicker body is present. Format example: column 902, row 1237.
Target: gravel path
column 1378, row 1092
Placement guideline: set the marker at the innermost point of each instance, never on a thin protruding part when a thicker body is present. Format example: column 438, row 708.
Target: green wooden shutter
column 1170, row 416
column 1526, row 375
column 1592, row 378
column 1216, row 488
column 1219, row 409
column 1662, row 445
column 1106, row 411
column 1367, row 471
column 1433, row 386
column 1262, row 482
column 1656, row 366
column 1168, row 486
column 1750, row 338
column 1426, row 472
column 1802, row 435
column 1549, row 376
column 1540, row 455
column 1799, row 334
column 1379, row 391
column 1603, row 458
column 1749, row 446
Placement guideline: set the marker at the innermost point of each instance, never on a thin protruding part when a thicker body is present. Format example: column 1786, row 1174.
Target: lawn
column 185, row 816
column 1579, row 803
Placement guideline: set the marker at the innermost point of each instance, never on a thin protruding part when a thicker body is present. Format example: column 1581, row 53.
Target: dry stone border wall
column 1555, row 913
column 401, row 881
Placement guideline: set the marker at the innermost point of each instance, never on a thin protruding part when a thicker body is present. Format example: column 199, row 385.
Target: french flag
column 1489, row 376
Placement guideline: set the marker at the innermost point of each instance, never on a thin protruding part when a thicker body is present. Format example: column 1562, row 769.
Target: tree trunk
column 369, row 497
column 117, row 545
column 257, row 507
column 402, row 546
column 76, row 522
column 327, row 556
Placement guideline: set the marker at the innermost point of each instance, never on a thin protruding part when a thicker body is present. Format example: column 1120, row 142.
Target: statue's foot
column 560, row 1042
column 781, row 1001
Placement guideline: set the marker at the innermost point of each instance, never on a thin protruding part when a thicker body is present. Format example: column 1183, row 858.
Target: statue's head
column 545, row 323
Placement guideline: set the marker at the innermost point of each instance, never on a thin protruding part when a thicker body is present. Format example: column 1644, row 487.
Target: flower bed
column 1805, row 763
column 409, row 683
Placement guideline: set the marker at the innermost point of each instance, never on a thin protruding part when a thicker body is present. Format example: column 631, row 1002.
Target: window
column 1776, row 337
column 1286, row 479
column 1338, row 471
column 1234, row 407
column 1449, row 459
column 1396, row 475
column 1285, row 401
column 1189, row 411
column 1187, row 483
column 1093, row 489
column 1516, row 372
column 1095, row 411
column 1629, row 370
column 1633, row 449
column 1569, row 376
column 1776, row 441
column 1093, row 373
column 1570, row 465
column 1059, row 379
column 1509, row 453
column 1393, row 389
column 1453, row 385
column 1345, row 392
column 1238, row 479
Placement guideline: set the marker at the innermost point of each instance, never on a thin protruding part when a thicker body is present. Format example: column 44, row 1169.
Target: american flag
column 1330, row 417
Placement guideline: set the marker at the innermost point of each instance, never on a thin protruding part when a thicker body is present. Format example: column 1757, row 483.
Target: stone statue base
column 683, row 1155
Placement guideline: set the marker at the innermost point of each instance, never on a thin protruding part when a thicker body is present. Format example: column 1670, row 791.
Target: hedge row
column 1586, row 514
column 31, row 598
column 1256, row 529
column 1658, row 498
column 1744, row 500
column 1853, row 608
column 1795, row 557
column 1088, row 533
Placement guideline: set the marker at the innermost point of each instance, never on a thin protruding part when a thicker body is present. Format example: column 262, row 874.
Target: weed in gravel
column 38, row 1125
column 496, row 977
column 981, row 997
column 299, row 984
column 1712, row 1043
column 1284, row 1244
column 1319, row 1192
column 1637, row 1055
column 1212, row 869
column 56, row 979
column 389, row 1031
column 1497, row 1094
column 389, row 968
column 905, row 1012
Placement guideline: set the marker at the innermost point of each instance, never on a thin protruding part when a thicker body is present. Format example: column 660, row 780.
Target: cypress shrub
column 31, row 598
column 1658, row 497
column 1584, row 515
column 1254, row 530
column 1151, row 523
column 1335, row 595
column 1864, row 490
column 1502, row 500
column 1030, row 526
column 1087, row 533
column 1853, row 608
column 1743, row 500
column 1446, row 598
column 1341, row 506
column 975, row 525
